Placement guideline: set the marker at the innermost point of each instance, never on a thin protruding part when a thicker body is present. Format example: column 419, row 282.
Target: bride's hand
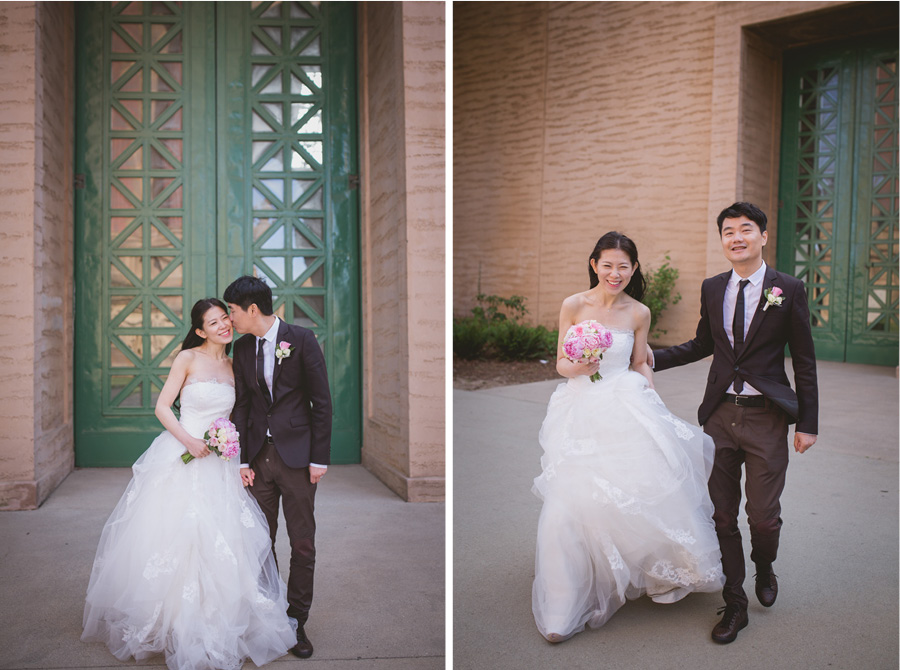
column 198, row 448
column 590, row 368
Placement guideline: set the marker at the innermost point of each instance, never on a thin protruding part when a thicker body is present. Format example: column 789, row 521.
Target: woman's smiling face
column 614, row 270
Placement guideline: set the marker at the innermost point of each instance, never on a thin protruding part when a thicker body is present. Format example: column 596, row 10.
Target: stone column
column 36, row 256
column 402, row 180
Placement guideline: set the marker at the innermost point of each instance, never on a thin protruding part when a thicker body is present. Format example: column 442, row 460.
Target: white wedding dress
column 626, row 509
column 184, row 566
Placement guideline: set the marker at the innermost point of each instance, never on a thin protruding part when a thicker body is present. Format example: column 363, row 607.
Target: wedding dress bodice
column 204, row 401
column 615, row 360
column 618, row 356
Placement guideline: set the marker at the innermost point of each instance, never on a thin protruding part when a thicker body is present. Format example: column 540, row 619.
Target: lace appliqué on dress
column 223, row 551
column 160, row 564
column 131, row 632
column 681, row 428
column 665, row 571
column 190, row 592
column 609, row 493
column 246, row 516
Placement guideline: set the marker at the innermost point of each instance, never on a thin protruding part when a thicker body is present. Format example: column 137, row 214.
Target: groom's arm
column 315, row 381
column 803, row 360
column 692, row 350
column 241, row 413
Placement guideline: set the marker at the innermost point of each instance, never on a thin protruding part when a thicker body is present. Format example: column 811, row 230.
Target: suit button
column 736, row 368
column 270, row 416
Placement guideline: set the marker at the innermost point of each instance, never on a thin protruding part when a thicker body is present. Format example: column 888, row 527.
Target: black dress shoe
column 303, row 648
column 766, row 586
column 734, row 620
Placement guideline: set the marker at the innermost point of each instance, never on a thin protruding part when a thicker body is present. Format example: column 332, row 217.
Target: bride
column 626, row 510
column 185, row 565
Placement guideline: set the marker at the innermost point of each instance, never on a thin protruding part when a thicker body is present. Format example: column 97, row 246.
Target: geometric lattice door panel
column 838, row 225
column 184, row 190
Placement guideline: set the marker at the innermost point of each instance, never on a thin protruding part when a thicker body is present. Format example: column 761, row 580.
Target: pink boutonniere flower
column 773, row 297
column 283, row 350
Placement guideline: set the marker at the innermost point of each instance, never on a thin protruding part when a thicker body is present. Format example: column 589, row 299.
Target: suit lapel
column 718, row 302
column 250, row 367
column 759, row 315
column 282, row 336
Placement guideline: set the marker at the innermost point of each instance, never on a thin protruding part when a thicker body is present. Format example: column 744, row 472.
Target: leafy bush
column 495, row 331
column 660, row 284
column 511, row 341
column 470, row 337
column 490, row 308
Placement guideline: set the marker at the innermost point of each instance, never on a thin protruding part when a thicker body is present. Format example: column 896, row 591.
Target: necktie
column 260, row 375
column 737, row 328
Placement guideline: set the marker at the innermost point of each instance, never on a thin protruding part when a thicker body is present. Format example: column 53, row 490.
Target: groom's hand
column 315, row 474
column 803, row 441
column 247, row 476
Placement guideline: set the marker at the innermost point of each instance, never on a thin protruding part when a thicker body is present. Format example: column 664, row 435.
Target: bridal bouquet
column 586, row 342
column 221, row 437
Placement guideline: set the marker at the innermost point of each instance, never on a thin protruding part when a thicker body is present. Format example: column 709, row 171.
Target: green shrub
column 658, row 296
column 470, row 337
column 511, row 341
column 495, row 331
column 494, row 308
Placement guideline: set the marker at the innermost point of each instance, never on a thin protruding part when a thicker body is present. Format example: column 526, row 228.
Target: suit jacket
column 299, row 417
column 760, row 361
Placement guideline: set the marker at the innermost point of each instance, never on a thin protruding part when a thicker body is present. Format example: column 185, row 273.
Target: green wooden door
column 837, row 225
column 213, row 140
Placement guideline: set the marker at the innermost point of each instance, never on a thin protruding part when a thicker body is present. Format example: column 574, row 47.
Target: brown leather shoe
column 734, row 620
column 303, row 648
column 766, row 586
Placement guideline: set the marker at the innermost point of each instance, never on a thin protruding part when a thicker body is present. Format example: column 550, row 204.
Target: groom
column 747, row 316
column 282, row 411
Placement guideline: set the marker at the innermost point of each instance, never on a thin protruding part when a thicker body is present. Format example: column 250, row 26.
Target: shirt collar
column 755, row 278
column 272, row 333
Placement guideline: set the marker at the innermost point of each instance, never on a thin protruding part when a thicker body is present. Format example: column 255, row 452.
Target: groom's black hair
column 739, row 209
column 246, row 291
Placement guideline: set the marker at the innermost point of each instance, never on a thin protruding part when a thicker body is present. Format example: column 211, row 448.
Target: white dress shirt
column 268, row 341
column 752, row 294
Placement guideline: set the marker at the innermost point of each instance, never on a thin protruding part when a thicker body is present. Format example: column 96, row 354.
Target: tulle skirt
column 184, row 567
column 626, row 508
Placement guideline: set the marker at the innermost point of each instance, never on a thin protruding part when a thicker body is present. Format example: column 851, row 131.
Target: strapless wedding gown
column 185, row 565
column 626, row 510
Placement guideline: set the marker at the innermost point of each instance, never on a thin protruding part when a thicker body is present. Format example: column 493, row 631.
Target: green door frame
column 119, row 304
column 829, row 234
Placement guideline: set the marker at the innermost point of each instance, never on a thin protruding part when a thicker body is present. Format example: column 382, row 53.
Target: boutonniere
column 773, row 297
column 283, row 350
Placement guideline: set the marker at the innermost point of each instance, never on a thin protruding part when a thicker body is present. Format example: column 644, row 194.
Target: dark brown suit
column 754, row 436
column 299, row 420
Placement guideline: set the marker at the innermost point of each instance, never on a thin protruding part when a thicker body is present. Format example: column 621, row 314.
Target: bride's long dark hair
column 614, row 240
column 200, row 308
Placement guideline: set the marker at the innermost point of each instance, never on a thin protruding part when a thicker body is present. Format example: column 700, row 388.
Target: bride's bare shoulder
column 574, row 302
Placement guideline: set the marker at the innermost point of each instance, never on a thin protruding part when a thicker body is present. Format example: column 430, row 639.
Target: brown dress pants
column 755, row 437
column 275, row 480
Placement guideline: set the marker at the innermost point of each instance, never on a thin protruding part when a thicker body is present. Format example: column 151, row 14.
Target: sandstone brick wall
column 402, row 165
column 573, row 119
column 17, row 204
column 36, row 221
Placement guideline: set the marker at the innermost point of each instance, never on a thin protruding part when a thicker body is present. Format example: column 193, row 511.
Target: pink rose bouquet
column 586, row 342
column 222, row 438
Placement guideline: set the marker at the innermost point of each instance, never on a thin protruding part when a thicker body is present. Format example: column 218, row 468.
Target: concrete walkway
column 838, row 562
column 379, row 599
